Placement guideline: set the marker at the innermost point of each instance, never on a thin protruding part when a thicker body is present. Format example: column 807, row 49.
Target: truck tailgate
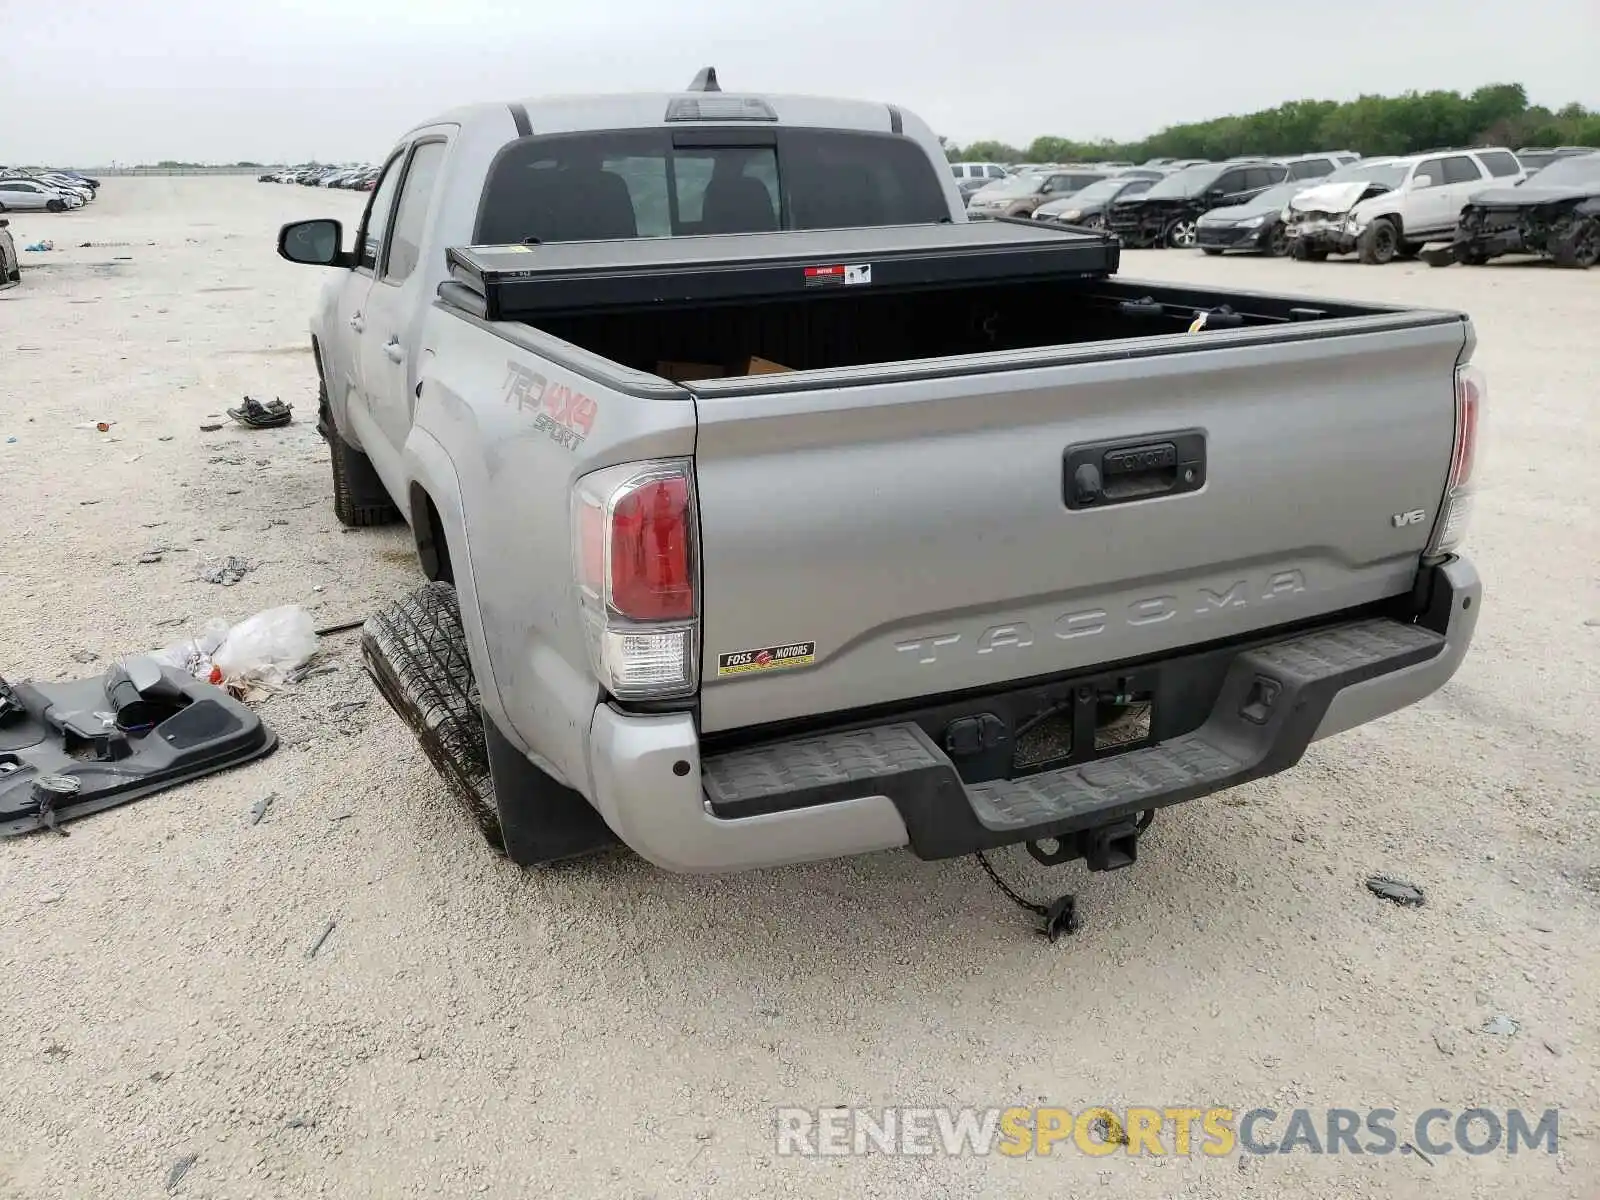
column 874, row 535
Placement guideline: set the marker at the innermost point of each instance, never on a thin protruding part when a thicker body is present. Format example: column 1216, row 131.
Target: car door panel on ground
column 388, row 369
column 341, row 360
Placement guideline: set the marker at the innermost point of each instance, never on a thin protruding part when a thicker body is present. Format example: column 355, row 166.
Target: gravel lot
column 612, row 1030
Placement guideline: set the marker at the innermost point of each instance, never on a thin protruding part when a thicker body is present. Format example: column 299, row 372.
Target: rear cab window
column 648, row 183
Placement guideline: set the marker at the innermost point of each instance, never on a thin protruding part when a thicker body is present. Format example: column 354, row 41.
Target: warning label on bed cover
column 840, row 275
column 767, row 658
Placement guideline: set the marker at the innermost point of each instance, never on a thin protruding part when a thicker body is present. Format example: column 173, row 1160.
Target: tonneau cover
column 521, row 281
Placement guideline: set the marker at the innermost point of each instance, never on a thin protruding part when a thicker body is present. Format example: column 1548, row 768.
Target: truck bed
column 901, row 504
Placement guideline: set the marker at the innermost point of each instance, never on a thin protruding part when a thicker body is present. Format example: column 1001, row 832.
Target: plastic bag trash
column 194, row 654
column 266, row 647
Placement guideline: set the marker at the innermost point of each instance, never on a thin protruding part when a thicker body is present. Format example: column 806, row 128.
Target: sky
column 97, row 82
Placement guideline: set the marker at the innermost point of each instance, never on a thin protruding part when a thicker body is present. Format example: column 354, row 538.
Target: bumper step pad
column 1268, row 708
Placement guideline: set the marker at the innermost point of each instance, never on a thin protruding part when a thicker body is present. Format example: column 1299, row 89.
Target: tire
column 416, row 652
column 1095, row 223
column 415, row 649
column 1409, row 250
column 359, row 498
column 1278, row 241
column 1181, row 234
column 1579, row 248
column 55, row 206
column 1378, row 243
column 1211, row 251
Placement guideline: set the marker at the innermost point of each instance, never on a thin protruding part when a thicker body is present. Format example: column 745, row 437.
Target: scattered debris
column 1386, row 887
column 1445, row 1040
column 179, row 1170
column 40, row 247
column 1408, row 1148
column 227, row 572
column 165, row 437
column 10, row 440
column 160, row 1076
column 50, row 897
column 257, row 415
column 56, row 1050
column 340, row 817
column 87, row 503
column 300, row 1123
column 1501, row 1025
column 150, row 557
column 210, row 428
column 343, row 627
column 322, row 937
column 84, row 656
column 98, row 426
column 302, row 673
column 259, row 808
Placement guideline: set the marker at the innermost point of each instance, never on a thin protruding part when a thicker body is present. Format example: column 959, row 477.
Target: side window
column 958, row 171
column 997, row 172
column 411, row 214
column 1275, row 173
column 1258, row 179
column 1429, row 173
column 1500, row 162
column 1460, row 169
column 1230, row 182
column 1137, row 186
column 375, row 224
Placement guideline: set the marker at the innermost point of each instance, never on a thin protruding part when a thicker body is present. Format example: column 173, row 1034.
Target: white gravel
column 611, row 1030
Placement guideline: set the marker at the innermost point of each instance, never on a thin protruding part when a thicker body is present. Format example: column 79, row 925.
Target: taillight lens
column 1456, row 511
column 634, row 544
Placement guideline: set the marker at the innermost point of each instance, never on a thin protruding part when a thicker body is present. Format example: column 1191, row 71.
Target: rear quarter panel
column 493, row 449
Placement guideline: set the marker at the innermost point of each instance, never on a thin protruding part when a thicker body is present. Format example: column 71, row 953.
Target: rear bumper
column 872, row 788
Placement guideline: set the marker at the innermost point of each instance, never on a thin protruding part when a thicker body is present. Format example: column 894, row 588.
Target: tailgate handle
column 1100, row 474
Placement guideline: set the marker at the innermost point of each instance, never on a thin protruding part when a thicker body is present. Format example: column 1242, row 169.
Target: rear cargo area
column 852, row 329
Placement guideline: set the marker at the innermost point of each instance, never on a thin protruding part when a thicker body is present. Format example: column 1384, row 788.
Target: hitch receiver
column 1111, row 847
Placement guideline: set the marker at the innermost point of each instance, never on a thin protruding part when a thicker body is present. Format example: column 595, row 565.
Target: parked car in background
column 1021, row 195
column 1088, row 207
column 1168, row 213
column 10, row 265
column 1555, row 213
column 1310, row 166
column 986, row 171
column 1256, row 225
column 29, row 195
column 1391, row 209
column 1537, row 159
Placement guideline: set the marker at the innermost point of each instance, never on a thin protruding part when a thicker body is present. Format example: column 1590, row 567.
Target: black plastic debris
column 74, row 748
column 1386, row 887
column 258, row 415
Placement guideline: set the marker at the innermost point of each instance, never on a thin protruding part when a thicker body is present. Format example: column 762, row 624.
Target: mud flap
column 71, row 749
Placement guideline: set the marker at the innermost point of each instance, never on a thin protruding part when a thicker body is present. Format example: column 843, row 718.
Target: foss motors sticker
column 768, row 658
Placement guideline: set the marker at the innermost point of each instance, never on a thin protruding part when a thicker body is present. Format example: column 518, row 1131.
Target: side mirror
column 1418, row 182
column 314, row 243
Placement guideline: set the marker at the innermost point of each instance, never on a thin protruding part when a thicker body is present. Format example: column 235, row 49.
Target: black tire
column 1277, row 243
column 359, row 497
column 1096, row 222
column 1181, row 234
column 1409, row 250
column 55, row 205
column 1303, row 253
column 1579, row 248
column 1211, row 251
column 1379, row 242
column 415, row 649
column 416, row 652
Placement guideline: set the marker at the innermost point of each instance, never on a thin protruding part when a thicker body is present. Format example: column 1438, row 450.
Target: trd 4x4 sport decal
column 565, row 414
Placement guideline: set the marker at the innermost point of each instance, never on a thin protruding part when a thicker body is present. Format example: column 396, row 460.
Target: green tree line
column 1497, row 114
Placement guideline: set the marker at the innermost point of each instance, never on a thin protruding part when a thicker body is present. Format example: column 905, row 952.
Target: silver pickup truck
column 771, row 511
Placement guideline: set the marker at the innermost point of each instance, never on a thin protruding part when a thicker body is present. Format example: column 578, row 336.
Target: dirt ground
column 609, row 1029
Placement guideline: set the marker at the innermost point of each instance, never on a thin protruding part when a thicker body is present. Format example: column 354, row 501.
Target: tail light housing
column 635, row 531
column 1455, row 513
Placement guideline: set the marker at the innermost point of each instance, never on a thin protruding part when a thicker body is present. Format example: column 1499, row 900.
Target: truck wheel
column 1379, row 242
column 1579, row 248
column 416, row 652
column 415, row 649
column 1182, row 235
column 359, row 498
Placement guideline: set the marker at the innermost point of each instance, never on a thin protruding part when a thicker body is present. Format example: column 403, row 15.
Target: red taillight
column 1469, row 396
column 652, row 569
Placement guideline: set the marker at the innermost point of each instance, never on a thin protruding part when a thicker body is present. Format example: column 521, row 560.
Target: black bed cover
column 521, row 281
